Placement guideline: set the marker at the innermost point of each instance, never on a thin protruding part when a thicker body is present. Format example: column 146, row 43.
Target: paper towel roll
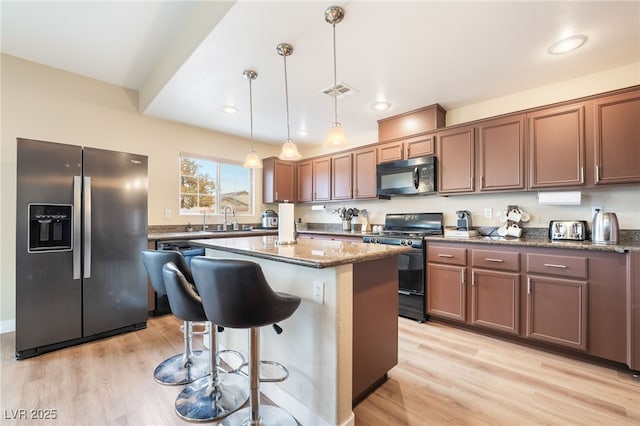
column 567, row 198
column 286, row 225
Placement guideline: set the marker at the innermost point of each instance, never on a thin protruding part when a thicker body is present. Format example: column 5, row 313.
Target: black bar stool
column 190, row 365
column 216, row 395
column 235, row 294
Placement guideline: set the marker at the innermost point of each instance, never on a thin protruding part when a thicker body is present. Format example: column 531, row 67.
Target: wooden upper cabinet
column 305, row 181
column 419, row 146
column 617, row 139
column 341, row 177
column 278, row 180
column 364, row 173
column 456, row 160
column 501, row 154
column 322, row 179
column 556, row 147
column 390, row 151
column 411, row 123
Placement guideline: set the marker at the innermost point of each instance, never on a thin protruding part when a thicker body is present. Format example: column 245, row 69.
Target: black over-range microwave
column 416, row 176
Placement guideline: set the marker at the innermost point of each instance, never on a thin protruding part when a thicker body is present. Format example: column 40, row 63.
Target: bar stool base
column 270, row 415
column 197, row 403
column 173, row 372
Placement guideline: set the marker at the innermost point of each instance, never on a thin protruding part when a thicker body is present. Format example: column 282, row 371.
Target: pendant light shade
column 252, row 161
column 289, row 149
column 336, row 137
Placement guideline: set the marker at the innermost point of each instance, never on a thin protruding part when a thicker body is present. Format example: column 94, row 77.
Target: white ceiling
column 186, row 58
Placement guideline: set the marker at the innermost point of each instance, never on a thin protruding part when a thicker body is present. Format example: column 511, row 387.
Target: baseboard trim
column 7, row 326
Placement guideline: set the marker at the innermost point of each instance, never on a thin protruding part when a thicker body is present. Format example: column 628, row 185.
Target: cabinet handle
column 482, row 181
column 473, row 279
column 528, row 285
column 462, row 276
column 276, row 195
column 581, row 174
column 597, row 173
column 489, row 259
column 551, row 265
column 445, row 255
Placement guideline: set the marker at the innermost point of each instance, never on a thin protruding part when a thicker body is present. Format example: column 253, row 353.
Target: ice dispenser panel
column 50, row 227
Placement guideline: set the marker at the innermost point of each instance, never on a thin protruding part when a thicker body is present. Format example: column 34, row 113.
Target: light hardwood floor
column 444, row 376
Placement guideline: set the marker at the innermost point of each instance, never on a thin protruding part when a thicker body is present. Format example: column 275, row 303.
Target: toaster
column 574, row 230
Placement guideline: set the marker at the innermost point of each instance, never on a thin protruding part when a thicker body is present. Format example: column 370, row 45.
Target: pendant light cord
column 335, row 76
column 251, row 112
column 286, row 94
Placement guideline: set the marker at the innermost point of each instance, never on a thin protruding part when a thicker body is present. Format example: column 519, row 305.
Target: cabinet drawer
column 564, row 266
column 447, row 255
column 496, row 260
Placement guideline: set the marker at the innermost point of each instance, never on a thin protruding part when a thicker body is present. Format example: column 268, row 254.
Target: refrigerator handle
column 77, row 197
column 87, row 227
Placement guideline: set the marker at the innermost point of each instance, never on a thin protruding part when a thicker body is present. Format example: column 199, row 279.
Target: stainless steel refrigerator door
column 115, row 283
column 48, row 299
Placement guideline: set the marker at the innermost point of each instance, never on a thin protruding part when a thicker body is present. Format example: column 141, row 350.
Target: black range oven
column 409, row 229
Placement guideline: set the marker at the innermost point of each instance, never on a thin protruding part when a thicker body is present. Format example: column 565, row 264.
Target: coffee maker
column 464, row 220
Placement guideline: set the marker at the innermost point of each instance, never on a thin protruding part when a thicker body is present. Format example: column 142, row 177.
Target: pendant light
column 252, row 161
column 336, row 137
column 289, row 149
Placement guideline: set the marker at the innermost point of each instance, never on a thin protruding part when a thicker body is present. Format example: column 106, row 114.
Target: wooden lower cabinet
column 582, row 300
column 557, row 311
column 495, row 300
column 446, row 292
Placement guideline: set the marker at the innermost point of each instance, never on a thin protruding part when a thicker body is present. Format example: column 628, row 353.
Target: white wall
column 38, row 102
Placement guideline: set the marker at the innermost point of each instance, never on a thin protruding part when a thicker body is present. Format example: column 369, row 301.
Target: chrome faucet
column 204, row 221
column 225, row 224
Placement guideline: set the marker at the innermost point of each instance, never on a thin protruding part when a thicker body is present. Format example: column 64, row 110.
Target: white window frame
column 219, row 206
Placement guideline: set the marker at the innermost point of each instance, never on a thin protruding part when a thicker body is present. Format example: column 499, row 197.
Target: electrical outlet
column 167, row 214
column 488, row 212
column 593, row 210
column 318, row 292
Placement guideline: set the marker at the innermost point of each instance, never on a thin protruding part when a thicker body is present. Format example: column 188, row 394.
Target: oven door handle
column 404, row 292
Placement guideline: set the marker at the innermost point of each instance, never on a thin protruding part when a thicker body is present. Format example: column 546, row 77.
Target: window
column 208, row 184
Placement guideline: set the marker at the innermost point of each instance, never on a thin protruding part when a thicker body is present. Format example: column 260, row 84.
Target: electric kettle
column 604, row 229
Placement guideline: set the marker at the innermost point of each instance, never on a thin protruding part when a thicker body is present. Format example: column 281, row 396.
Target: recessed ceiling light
column 230, row 109
column 381, row 105
column 567, row 44
column 303, row 132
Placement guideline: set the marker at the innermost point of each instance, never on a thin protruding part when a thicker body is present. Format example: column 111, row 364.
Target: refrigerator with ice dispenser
column 81, row 222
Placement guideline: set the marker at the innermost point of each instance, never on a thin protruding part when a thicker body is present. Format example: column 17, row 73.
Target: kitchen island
column 342, row 340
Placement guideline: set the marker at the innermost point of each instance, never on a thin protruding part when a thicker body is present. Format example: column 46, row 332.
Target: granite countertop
column 163, row 236
column 311, row 253
column 539, row 241
column 335, row 232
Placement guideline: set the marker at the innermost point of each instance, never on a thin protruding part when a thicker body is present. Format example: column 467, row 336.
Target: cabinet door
column 456, row 160
column 364, row 173
column 446, row 292
column 495, row 300
column 556, row 147
column 278, row 180
column 341, row 177
column 322, row 179
column 305, row 181
column 420, row 146
column 501, row 154
column 391, row 151
column 557, row 311
column 617, row 139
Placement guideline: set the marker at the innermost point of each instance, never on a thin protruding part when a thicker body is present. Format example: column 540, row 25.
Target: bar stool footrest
column 276, row 365
column 227, row 355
